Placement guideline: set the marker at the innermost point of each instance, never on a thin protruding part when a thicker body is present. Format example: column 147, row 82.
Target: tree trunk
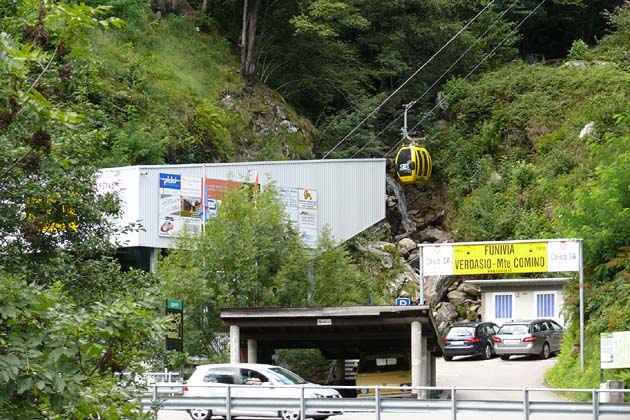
column 204, row 6
column 248, row 38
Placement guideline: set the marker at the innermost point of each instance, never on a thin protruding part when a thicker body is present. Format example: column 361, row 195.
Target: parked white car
column 253, row 381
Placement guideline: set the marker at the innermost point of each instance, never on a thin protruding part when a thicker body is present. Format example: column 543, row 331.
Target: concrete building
column 508, row 299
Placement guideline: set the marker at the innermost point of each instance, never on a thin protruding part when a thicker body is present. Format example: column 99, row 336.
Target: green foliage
column 308, row 363
column 57, row 360
column 578, row 50
column 69, row 318
column 599, row 209
column 250, row 255
column 614, row 46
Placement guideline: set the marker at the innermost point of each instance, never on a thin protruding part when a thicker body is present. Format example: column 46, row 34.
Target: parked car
column 259, row 381
column 470, row 339
column 541, row 337
column 383, row 369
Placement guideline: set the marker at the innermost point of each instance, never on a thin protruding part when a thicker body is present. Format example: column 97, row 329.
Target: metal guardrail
column 379, row 404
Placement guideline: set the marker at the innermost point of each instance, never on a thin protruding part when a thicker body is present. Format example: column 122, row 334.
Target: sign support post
column 421, row 277
column 581, row 271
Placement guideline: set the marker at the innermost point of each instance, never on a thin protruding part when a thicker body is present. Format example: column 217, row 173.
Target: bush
column 578, row 50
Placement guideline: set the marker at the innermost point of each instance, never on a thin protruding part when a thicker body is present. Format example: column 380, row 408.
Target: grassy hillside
column 162, row 92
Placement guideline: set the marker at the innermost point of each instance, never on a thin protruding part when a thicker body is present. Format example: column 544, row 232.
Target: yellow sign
column 529, row 257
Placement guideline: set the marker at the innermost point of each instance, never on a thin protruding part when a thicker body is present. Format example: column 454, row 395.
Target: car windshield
column 461, row 332
column 514, row 329
column 285, row 376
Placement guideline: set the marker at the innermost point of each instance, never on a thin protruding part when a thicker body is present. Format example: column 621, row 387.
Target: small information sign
column 175, row 331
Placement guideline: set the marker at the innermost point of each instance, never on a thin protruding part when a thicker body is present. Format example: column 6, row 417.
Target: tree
column 251, row 255
column 57, row 359
column 70, row 319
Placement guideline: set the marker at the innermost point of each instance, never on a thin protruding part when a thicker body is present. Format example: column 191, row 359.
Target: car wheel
column 320, row 417
column 505, row 357
column 200, row 414
column 545, row 352
column 487, row 354
column 447, row 358
column 290, row 415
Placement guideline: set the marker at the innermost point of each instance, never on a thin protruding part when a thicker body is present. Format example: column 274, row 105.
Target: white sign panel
column 615, row 350
column 437, row 260
column 563, row 256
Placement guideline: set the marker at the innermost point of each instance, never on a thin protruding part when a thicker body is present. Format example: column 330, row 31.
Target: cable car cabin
column 413, row 163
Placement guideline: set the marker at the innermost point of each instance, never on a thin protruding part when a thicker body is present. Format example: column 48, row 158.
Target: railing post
column 377, row 402
column 595, row 404
column 526, row 403
column 453, row 404
column 302, row 404
column 156, row 406
column 228, row 402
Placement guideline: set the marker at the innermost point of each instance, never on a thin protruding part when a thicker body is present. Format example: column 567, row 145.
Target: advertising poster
column 300, row 204
column 213, row 194
column 180, row 204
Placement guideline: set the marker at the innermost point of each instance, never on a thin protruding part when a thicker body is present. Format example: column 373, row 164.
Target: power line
column 472, row 71
column 412, row 103
column 408, row 79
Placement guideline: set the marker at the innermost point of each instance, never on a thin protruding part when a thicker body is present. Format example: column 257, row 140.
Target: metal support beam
column 235, row 344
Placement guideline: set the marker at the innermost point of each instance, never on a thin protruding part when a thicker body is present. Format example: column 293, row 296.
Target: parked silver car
column 541, row 337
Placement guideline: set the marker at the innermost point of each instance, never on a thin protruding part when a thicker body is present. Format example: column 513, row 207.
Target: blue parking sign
column 403, row 301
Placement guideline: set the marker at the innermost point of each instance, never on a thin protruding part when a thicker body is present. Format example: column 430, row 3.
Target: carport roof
column 337, row 331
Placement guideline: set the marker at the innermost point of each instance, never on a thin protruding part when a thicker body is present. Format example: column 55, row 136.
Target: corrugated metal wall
column 350, row 193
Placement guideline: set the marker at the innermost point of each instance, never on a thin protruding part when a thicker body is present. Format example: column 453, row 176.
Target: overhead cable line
column 426, row 114
column 412, row 103
column 408, row 79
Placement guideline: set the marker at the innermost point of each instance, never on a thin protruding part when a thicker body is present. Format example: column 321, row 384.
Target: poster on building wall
column 615, row 350
column 213, row 190
column 300, row 204
column 111, row 182
column 180, row 204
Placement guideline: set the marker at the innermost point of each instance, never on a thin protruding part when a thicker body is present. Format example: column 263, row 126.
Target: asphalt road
column 518, row 372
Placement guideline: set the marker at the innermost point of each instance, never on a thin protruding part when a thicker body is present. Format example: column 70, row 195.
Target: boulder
column 456, row 294
column 469, row 289
column 405, row 246
column 413, row 259
column 445, row 314
column 435, row 288
column 433, row 234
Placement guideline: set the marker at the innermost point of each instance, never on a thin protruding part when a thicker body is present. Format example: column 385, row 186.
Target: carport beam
column 235, row 344
column 416, row 354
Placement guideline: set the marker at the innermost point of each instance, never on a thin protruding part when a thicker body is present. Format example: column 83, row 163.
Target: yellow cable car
column 413, row 162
